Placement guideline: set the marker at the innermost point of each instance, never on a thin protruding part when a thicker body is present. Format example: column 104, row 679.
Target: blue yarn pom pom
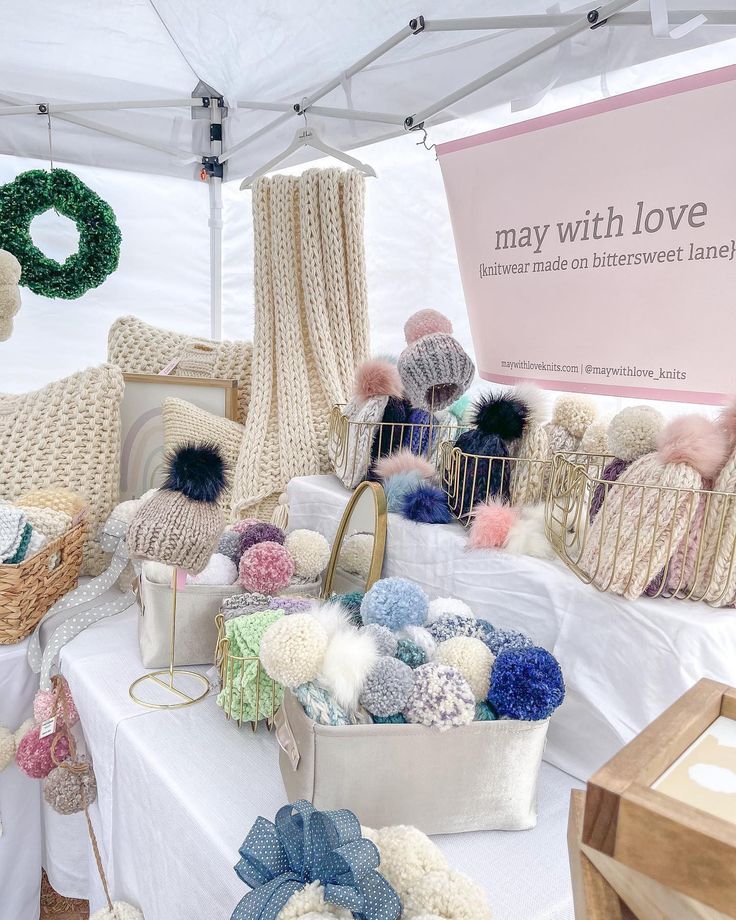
column 450, row 625
column 526, row 683
column 395, row 603
column 426, row 504
column 397, row 487
column 486, row 632
column 484, row 712
column 410, row 653
column 388, row 720
column 502, row 639
column 351, row 602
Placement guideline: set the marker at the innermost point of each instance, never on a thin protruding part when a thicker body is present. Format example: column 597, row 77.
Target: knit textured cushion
column 138, row 348
column 66, row 434
column 188, row 424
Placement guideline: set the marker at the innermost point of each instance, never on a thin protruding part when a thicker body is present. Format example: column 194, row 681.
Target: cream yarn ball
column 472, row 658
column 310, row 551
column 120, row 911
column 356, row 554
column 448, row 895
column 309, row 904
column 447, row 606
column 293, row 649
column 7, row 747
column 407, row 855
column 574, row 413
column 634, row 432
column 595, row 439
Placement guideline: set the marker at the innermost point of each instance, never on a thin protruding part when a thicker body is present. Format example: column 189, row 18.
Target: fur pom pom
column 350, row 657
column 727, row 421
column 377, row 377
column 398, row 487
column 492, row 522
column 574, row 414
column 634, row 431
column 535, row 400
column 695, row 440
column 333, row 617
column 403, row 461
column 502, row 415
column 426, row 504
column 426, row 322
column 197, row 471
column 527, row 536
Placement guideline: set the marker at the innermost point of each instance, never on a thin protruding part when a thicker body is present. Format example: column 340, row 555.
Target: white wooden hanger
column 307, row 137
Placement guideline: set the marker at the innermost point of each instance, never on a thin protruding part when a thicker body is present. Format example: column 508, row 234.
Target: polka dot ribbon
column 81, row 607
column 304, row 845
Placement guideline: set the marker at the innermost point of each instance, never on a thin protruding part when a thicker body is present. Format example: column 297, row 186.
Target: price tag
column 48, row 727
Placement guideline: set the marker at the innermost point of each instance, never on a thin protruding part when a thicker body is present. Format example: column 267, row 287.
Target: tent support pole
column 559, row 20
column 323, row 111
column 593, row 19
column 215, row 221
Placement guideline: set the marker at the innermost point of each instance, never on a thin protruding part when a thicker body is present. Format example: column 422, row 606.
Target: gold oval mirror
column 357, row 553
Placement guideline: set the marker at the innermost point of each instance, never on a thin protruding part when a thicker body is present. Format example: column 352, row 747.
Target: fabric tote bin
column 481, row 776
column 196, row 631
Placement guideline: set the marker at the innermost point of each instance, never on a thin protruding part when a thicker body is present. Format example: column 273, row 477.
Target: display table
column 20, row 797
column 179, row 790
column 624, row 661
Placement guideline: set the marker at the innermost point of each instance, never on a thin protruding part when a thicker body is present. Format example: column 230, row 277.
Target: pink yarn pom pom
column 242, row 525
column 492, row 522
column 695, row 440
column 377, row 377
column 426, row 322
column 403, row 461
column 34, row 754
column 266, row 568
column 43, row 705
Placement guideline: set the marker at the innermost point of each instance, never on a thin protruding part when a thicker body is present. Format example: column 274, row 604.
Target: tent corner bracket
column 213, row 167
column 417, row 24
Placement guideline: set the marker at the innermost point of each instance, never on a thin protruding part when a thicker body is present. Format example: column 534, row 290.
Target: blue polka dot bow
column 304, row 845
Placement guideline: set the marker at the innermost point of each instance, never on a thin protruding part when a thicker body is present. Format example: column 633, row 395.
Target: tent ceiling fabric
column 86, row 51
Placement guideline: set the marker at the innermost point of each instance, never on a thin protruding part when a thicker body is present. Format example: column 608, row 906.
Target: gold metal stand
column 155, row 677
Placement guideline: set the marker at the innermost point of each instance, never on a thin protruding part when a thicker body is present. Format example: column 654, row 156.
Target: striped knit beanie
column 434, row 368
column 639, row 529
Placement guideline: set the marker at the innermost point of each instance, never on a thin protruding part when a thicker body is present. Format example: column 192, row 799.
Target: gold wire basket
column 233, row 670
column 648, row 540
column 350, row 442
column 469, row 479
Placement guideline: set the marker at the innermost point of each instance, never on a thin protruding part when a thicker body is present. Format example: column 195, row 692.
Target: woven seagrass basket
column 32, row 587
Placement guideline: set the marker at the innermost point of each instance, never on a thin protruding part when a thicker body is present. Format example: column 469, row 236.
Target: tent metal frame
column 613, row 13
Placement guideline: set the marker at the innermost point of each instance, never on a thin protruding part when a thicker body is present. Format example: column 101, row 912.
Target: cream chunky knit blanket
column 311, row 327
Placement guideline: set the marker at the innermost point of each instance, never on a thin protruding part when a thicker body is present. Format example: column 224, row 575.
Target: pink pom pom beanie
column 434, row 368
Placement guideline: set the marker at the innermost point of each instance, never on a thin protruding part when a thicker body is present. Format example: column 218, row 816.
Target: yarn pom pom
column 387, row 687
column 220, row 570
column 450, row 625
column 386, row 641
column 397, row 487
column 292, row 604
column 377, row 377
column 395, row 603
column 634, row 431
column 407, row 855
column 34, row 754
column 197, row 471
column 351, row 602
column 574, row 414
column 266, row 568
column 426, row 504
column 695, row 440
column 229, row 545
column 396, row 719
column 439, row 698
column 501, row 415
column 421, row 637
column 242, row 525
column 447, row 606
column 492, row 522
column 293, row 648
column 403, row 461
column 484, row 712
column 260, row 532
column 121, row 910
column 498, row 640
column 445, row 895
column 426, row 322
column 43, row 706
column 309, row 904
column 471, row 658
column 310, row 552
column 526, row 684
column 595, row 438
column 410, row 653
column 7, row 747
column 69, row 791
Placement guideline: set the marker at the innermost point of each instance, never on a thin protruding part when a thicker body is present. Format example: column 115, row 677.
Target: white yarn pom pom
column 310, row 550
column 120, row 911
column 7, row 747
column 220, row 570
column 447, row 606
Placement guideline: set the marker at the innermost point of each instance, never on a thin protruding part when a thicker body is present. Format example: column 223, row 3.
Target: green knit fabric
column 20, row 554
column 245, row 634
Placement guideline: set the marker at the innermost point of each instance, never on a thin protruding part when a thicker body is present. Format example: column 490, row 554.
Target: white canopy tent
column 144, row 87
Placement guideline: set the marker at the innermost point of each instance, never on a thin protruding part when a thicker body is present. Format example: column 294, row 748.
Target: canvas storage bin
column 196, row 631
column 481, row 776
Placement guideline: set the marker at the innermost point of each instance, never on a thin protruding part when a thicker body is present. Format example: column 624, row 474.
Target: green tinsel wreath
column 33, row 192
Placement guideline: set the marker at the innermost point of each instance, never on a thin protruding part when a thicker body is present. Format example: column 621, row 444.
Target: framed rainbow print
column 142, row 429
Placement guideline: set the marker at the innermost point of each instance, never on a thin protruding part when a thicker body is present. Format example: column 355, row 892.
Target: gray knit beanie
column 434, row 368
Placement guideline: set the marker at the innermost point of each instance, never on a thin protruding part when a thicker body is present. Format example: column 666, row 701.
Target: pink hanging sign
column 597, row 246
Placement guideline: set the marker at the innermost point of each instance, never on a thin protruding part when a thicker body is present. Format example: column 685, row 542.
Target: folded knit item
column 66, row 500
column 51, row 523
column 12, row 528
column 246, row 679
column 20, row 553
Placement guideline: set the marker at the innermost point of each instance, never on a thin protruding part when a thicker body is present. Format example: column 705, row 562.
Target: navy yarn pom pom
column 501, row 415
column 426, row 504
column 197, row 471
column 526, row 683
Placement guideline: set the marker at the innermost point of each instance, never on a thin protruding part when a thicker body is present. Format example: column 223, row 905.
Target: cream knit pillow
column 138, row 348
column 66, row 434
column 185, row 423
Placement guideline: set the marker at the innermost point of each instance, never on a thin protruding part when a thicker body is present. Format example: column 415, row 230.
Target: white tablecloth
column 179, row 790
column 20, row 797
column 624, row 661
